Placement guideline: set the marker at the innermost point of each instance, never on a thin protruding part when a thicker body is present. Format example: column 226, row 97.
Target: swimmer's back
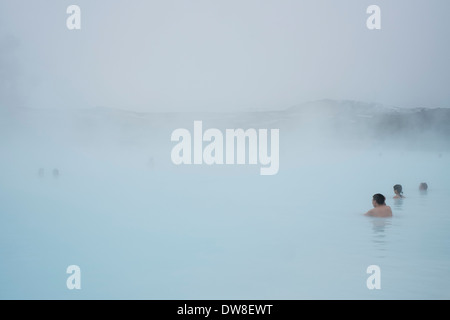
column 380, row 212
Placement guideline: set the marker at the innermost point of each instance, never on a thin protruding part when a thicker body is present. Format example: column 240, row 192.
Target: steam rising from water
column 140, row 227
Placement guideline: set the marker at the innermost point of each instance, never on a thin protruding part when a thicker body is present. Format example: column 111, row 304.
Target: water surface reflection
column 380, row 226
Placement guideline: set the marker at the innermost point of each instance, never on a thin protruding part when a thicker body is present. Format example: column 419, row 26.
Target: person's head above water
column 398, row 189
column 378, row 200
column 423, row 186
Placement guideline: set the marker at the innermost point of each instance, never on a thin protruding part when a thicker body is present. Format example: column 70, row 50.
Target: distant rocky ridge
column 373, row 120
column 330, row 119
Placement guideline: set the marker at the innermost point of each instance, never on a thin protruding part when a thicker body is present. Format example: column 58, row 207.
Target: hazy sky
column 183, row 55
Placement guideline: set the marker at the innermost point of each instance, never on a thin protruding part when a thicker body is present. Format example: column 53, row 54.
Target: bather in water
column 380, row 209
column 398, row 190
column 423, row 186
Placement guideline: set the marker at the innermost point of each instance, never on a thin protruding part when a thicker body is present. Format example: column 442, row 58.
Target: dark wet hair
column 398, row 188
column 379, row 198
column 423, row 186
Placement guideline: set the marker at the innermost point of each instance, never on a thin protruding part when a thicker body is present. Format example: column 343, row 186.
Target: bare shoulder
column 388, row 211
column 370, row 212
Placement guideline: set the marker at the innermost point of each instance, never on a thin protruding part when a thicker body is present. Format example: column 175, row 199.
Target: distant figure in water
column 55, row 173
column 398, row 190
column 423, row 186
column 380, row 209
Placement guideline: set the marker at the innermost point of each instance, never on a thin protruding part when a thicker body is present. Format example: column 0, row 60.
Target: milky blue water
column 140, row 232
